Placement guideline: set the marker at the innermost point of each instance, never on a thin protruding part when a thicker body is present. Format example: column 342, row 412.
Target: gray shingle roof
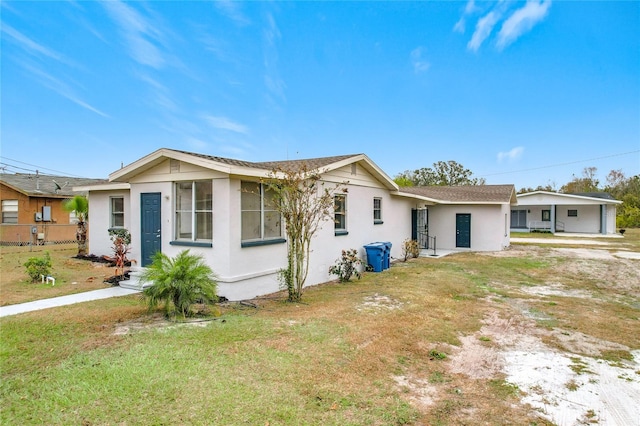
column 313, row 163
column 45, row 185
column 464, row 193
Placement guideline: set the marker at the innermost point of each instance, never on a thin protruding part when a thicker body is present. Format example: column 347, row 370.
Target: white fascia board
column 104, row 187
column 416, row 197
column 522, row 198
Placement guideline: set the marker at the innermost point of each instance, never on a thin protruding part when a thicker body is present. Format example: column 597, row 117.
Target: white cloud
column 136, row 31
column 512, row 155
column 522, row 20
column 197, row 145
column 470, row 7
column 28, row 44
column 483, row 30
column 231, row 9
column 274, row 83
column 420, row 65
column 223, row 123
column 61, row 88
column 460, row 26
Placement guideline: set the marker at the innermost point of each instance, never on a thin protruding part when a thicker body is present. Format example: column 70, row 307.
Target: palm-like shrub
column 179, row 283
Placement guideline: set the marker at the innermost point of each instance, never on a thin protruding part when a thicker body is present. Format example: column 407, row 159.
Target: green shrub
column 38, row 266
column 179, row 283
column 347, row 265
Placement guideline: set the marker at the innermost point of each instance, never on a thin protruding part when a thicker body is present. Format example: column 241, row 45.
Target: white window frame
column 10, row 211
column 340, row 230
column 113, row 213
column 377, row 219
column 193, row 211
column 263, row 209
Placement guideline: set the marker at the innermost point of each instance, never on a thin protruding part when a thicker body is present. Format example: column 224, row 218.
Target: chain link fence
column 41, row 234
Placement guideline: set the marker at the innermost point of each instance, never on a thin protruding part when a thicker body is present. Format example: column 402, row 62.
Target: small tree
column 121, row 239
column 79, row 205
column 304, row 203
column 179, row 282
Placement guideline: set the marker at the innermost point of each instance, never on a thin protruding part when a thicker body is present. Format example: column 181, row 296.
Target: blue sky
column 528, row 93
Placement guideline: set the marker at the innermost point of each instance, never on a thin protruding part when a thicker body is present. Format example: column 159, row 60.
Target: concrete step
column 133, row 283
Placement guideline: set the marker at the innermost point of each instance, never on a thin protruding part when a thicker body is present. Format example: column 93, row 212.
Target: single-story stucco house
column 218, row 207
column 591, row 213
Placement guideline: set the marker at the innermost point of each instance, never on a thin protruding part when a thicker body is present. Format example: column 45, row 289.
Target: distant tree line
column 443, row 173
column 626, row 189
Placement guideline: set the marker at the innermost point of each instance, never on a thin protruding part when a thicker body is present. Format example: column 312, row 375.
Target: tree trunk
column 81, row 238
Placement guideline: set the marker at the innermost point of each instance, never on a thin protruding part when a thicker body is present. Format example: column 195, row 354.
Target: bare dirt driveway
column 554, row 341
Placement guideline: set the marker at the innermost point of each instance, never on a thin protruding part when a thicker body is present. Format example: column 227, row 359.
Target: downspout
column 553, row 218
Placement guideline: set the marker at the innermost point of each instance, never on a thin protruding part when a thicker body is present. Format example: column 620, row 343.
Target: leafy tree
column 550, row 187
column 179, row 282
column 305, row 204
column 586, row 183
column 443, row 173
column 79, row 205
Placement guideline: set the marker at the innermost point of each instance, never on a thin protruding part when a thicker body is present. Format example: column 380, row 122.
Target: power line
column 37, row 169
column 561, row 164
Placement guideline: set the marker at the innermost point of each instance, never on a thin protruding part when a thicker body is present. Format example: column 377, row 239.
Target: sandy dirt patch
column 566, row 388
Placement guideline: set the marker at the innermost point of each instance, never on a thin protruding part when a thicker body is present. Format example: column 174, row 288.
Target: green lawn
column 334, row 359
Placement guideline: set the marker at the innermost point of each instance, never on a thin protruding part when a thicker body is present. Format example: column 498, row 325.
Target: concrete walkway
column 70, row 299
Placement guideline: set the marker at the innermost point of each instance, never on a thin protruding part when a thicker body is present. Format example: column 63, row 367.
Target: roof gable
column 247, row 168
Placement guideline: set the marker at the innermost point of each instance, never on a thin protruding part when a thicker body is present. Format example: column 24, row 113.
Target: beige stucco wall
column 489, row 231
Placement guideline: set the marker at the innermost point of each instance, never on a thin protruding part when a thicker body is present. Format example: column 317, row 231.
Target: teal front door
column 150, row 226
column 463, row 230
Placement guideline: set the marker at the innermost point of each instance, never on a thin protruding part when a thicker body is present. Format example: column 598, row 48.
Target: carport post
column 553, row 219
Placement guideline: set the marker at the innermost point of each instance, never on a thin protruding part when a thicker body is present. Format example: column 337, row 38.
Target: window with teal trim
column 260, row 219
column 194, row 211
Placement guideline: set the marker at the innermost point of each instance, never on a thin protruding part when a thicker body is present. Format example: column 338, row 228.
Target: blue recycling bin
column 387, row 254
column 375, row 256
column 386, row 260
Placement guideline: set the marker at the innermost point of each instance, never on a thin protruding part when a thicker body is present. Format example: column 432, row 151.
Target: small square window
column 572, row 213
column 117, row 212
column 9, row 211
column 546, row 215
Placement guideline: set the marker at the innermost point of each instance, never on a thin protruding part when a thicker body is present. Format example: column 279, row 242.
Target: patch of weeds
column 504, row 389
column 403, row 360
column 590, row 417
column 445, row 409
column 616, row 356
column 552, row 303
column 484, row 339
column 434, row 354
column 579, row 367
column 572, row 385
column 460, row 297
column 437, row 377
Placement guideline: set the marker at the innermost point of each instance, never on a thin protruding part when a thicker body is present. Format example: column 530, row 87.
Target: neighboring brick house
column 31, row 208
